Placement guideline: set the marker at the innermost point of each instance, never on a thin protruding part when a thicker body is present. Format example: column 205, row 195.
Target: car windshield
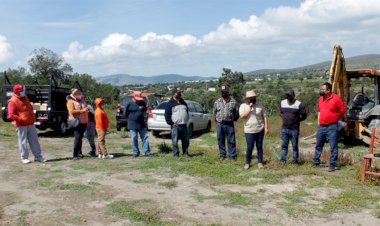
column 126, row 99
column 162, row 105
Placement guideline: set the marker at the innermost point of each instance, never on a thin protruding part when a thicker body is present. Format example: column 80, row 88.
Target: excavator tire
column 374, row 123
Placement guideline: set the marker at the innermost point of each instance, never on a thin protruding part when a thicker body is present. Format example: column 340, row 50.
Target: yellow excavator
column 360, row 91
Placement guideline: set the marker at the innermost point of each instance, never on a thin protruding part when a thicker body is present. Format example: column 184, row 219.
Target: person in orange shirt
column 20, row 111
column 77, row 108
column 102, row 123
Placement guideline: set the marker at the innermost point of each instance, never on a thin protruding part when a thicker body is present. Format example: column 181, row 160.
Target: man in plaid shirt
column 226, row 112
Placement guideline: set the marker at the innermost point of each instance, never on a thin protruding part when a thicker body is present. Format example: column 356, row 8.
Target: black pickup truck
column 49, row 104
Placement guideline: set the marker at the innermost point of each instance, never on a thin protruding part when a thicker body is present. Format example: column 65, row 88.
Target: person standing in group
column 135, row 111
column 101, row 124
column 90, row 132
column 177, row 116
column 330, row 111
column 20, row 111
column 292, row 113
column 255, row 127
column 226, row 112
column 77, row 108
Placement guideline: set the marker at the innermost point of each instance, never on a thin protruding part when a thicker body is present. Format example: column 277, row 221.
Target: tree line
column 47, row 67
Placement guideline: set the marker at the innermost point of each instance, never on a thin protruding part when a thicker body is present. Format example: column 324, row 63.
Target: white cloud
column 5, row 50
column 281, row 37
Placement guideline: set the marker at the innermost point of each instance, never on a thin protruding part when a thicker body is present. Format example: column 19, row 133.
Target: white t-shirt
column 255, row 121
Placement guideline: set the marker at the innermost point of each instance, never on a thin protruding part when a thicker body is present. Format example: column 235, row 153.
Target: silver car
column 199, row 120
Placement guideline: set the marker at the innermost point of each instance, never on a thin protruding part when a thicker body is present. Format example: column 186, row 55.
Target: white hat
column 250, row 93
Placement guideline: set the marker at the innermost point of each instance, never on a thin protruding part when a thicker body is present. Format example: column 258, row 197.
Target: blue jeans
column 292, row 135
column 78, row 137
column 144, row 138
column 251, row 138
column 329, row 132
column 180, row 132
column 226, row 130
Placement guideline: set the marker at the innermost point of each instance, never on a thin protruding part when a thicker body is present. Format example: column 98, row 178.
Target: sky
column 187, row 37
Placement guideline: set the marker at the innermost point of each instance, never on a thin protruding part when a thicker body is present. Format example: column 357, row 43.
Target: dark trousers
column 251, row 138
column 226, row 130
column 78, row 137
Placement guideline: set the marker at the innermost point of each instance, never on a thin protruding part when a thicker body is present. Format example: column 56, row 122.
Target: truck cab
column 48, row 101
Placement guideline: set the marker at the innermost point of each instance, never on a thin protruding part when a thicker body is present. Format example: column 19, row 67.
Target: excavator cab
column 360, row 91
column 363, row 106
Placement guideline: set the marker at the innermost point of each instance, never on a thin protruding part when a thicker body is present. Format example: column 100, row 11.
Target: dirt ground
column 29, row 194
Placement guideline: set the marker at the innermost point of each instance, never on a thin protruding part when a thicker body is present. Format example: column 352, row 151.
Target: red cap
column 137, row 95
column 17, row 88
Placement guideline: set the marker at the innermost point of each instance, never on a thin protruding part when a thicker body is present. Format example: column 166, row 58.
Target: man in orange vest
column 20, row 111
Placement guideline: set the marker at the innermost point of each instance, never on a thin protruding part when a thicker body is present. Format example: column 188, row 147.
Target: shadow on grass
column 195, row 154
column 168, row 135
column 120, row 155
column 59, row 159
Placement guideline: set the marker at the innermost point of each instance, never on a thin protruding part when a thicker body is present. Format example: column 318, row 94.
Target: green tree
column 235, row 80
column 46, row 64
column 15, row 75
column 91, row 89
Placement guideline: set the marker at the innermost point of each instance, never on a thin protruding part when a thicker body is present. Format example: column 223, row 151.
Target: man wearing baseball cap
column 292, row 113
column 226, row 112
column 177, row 116
column 135, row 111
column 20, row 111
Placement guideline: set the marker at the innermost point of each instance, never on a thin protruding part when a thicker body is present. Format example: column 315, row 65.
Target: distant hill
column 356, row 62
column 362, row 61
column 125, row 79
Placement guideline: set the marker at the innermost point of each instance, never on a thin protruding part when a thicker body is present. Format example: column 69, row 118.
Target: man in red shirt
column 330, row 111
column 20, row 111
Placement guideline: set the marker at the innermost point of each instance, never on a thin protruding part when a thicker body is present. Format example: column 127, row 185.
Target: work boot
column 92, row 153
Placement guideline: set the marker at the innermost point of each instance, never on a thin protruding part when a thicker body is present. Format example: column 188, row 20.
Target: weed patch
column 74, row 187
column 168, row 184
column 22, row 217
column 164, row 148
column 140, row 211
column 145, row 180
column 230, row 198
column 294, row 205
column 74, row 219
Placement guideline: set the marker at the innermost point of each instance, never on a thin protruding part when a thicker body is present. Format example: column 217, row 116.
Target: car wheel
column 190, row 130
column 155, row 133
column 208, row 128
column 118, row 127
